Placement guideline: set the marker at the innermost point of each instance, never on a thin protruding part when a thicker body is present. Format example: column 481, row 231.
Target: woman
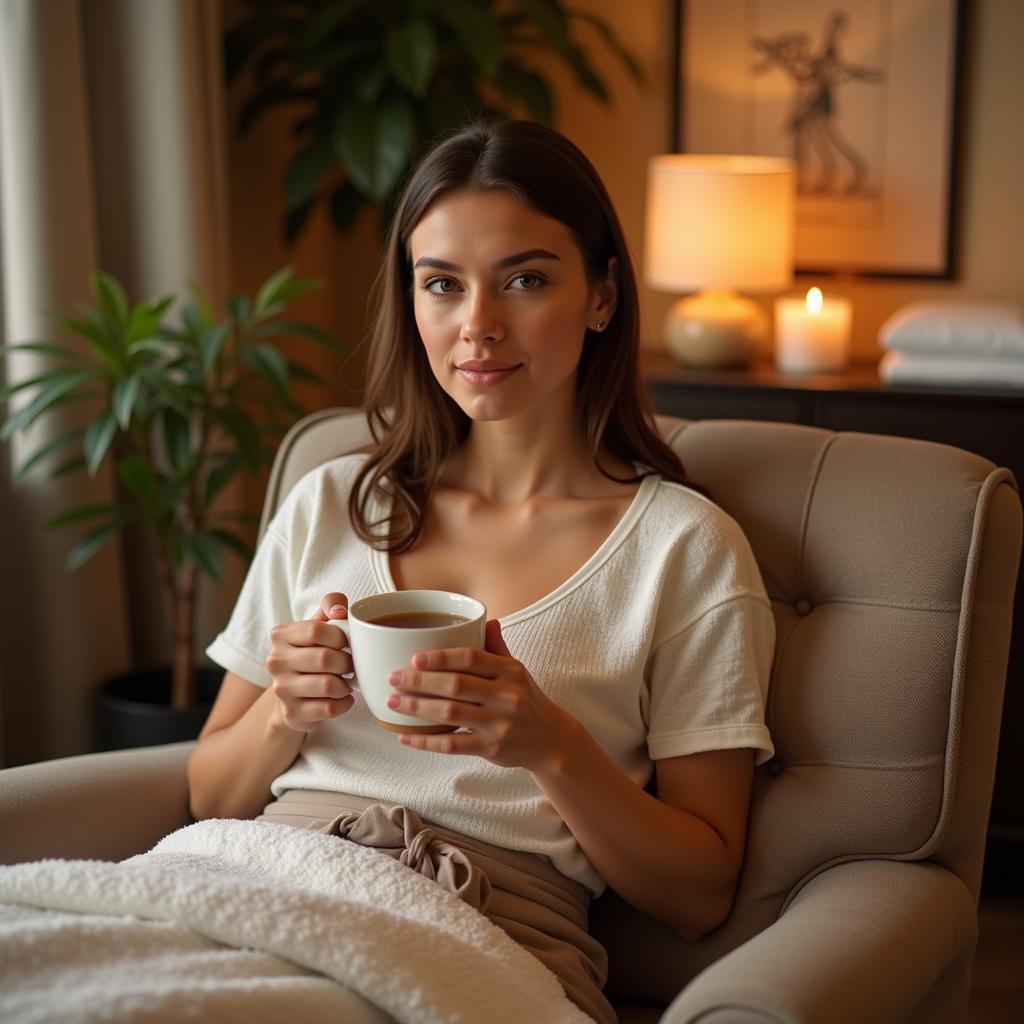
column 514, row 460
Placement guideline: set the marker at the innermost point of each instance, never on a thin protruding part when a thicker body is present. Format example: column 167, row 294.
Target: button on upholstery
column 803, row 606
column 774, row 766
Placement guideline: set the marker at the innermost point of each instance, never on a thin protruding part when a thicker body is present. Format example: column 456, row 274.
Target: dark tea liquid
column 418, row 620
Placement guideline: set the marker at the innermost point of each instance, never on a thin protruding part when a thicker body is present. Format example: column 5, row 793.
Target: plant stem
column 183, row 668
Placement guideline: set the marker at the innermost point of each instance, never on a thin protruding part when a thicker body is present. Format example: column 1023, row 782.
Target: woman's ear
column 606, row 295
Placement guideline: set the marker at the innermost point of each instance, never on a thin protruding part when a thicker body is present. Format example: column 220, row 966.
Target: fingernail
column 337, row 610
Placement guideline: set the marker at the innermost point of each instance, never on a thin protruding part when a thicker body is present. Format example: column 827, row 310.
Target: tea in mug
column 417, row 620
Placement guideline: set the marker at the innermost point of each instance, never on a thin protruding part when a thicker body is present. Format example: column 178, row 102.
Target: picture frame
column 865, row 98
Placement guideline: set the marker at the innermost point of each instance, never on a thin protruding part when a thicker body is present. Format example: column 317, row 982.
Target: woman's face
column 502, row 303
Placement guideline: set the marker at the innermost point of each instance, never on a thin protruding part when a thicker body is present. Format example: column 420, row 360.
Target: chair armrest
column 863, row 941
column 104, row 806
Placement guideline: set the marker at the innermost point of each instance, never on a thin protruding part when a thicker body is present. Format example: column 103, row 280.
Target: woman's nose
column 482, row 321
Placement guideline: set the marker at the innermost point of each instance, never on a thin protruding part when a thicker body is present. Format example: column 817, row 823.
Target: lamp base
column 716, row 330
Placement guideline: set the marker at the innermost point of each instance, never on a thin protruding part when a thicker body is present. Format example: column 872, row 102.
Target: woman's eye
column 527, row 281
column 440, row 285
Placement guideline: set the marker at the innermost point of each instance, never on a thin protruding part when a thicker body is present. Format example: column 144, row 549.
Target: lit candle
column 812, row 335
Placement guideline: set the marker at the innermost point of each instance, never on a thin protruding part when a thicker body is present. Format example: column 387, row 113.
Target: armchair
column 891, row 566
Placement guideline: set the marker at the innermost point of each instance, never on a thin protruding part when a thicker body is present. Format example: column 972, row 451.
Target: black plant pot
column 135, row 709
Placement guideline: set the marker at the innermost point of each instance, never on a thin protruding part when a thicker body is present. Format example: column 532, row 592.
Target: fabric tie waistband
column 400, row 833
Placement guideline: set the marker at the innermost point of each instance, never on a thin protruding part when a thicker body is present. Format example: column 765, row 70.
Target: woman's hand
column 512, row 722
column 307, row 662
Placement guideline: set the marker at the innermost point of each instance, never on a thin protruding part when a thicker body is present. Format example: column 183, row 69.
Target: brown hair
column 415, row 424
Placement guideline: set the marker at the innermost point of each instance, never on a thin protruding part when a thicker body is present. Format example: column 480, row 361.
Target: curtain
column 113, row 157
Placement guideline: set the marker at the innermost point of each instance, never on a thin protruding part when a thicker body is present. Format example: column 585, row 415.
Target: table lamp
column 720, row 224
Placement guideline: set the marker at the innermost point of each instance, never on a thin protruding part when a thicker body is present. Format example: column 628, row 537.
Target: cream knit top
column 660, row 645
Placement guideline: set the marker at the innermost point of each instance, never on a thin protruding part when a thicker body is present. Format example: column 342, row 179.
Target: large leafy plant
column 375, row 79
column 179, row 411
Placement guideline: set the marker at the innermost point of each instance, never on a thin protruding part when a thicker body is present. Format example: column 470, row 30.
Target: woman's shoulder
column 327, row 484
column 692, row 525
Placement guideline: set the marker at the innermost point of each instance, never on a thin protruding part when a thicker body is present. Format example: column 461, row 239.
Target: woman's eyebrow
column 502, row 264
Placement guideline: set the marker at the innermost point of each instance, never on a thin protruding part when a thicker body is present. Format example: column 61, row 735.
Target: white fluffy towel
column 254, row 921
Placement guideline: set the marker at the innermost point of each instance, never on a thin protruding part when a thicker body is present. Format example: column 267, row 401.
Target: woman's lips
column 486, row 378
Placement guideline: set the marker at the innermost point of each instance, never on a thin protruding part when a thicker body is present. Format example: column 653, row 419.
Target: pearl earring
column 600, row 325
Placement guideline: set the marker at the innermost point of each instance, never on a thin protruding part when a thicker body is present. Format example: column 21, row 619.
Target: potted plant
column 373, row 80
column 179, row 411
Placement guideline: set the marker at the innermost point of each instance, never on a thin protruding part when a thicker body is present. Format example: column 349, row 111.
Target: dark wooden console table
column 987, row 421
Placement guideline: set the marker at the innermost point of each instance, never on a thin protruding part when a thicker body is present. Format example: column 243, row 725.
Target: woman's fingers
column 333, row 606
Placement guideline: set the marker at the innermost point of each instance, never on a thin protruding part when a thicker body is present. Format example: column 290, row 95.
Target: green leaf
column 71, row 466
column 329, row 57
column 269, row 294
column 174, row 393
column 412, row 52
column 585, row 74
column 111, row 297
column 137, row 476
column 323, row 21
column 239, row 307
column 475, row 28
column 369, row 78
column 90, row 544
column 97, row 334
column 612, row 40
column 288, row 327
column 518, row 83
column 271, row 364
column 307, row 169
column 299, row 372
column 549, row 20
column 211, row 343
column 219, row 476
column 46, row 347
column 194, row 323
column 244, row 431
column 158, row 346
column 202, row 303
column 98, row 436
column 235, row 542
column 145, row 319
column 345, row 204
column 206, row 550
column 62, row 382
column 374, row 142
column 47, row 449
column 79, row 515
column 123, row 399
column 176, row 433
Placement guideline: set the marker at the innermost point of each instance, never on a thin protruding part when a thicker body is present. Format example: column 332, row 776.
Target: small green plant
column 179, row 411
column 372, row 81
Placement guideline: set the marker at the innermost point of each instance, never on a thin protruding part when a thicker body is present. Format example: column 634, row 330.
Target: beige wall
column 621, row 138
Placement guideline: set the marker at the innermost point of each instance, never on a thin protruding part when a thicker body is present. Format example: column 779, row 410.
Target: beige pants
column 520, row 892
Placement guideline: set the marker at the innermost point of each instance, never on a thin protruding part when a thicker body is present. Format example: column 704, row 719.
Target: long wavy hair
column 416, row 426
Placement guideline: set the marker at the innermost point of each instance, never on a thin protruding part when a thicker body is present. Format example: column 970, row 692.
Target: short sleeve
column 263, row 603
column 709, row 682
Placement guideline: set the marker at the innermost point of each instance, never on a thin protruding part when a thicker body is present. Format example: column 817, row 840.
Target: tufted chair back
column 889, row 570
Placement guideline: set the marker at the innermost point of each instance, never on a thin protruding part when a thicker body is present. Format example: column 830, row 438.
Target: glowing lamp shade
column 717, row 225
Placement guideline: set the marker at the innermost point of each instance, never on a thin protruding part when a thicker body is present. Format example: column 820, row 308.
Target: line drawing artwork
column 827, row 162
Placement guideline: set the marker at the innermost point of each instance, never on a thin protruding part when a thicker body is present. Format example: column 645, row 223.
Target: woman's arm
column 242, row 748
column 676, row 857
column 252, row 734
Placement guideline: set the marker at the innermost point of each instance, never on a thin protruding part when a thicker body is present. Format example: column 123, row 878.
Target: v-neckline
column 381, row 562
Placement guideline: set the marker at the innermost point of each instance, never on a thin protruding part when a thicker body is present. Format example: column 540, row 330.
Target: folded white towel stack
column 974, row 344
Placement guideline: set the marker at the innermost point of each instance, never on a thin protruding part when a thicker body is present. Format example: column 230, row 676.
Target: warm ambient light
column 718, row 225
column 812, row 334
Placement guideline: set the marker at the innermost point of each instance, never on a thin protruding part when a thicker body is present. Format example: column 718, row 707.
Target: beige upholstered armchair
column 891, row 566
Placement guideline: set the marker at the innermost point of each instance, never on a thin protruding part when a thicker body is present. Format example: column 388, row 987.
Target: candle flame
column 814, row 300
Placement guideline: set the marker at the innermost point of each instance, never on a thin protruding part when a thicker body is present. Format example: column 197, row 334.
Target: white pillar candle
column 812, row 335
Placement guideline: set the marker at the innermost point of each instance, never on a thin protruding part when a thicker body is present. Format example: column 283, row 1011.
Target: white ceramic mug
column 377, row 650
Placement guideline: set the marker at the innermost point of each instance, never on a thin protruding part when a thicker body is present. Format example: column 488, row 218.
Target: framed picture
column 865, row 99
